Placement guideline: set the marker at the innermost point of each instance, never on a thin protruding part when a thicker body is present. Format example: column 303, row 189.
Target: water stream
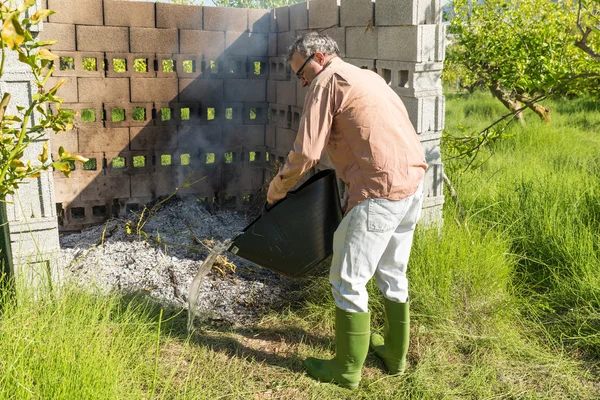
column 205, row 268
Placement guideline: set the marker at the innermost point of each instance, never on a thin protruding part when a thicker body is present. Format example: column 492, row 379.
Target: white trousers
column 374, row 239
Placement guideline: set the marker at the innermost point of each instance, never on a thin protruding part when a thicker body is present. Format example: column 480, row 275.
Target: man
column 364, row 126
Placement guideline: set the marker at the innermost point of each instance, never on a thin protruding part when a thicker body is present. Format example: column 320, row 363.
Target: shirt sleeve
column 312, row 137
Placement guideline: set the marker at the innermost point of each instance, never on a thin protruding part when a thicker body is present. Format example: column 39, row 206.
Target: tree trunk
column 509, row 102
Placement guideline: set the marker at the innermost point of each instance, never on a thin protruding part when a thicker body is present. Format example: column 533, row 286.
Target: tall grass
column 541, row 189
column 505, row 305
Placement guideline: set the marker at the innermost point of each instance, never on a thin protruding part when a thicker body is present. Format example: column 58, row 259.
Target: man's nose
column 303, row 83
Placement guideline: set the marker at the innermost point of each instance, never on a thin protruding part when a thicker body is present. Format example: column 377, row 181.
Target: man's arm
column 312, row 137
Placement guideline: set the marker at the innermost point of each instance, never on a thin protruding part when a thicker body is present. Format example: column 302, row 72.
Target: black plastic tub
column 295, row 234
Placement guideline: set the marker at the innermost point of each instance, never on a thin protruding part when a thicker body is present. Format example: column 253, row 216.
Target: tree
column 31, row 122
column 588, row 24
column 264, row 4
column 521, row 51
column 184, row 2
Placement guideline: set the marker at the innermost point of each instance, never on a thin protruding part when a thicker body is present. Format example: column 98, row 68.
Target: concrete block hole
column 90, row 64
column 139, row 161
column 99, row 211
column 118, row 163
column 77, row 213
column 66, row 63
column 90, row 165
column 165, row 160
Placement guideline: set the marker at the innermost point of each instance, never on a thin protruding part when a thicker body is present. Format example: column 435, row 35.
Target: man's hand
column 272, row 195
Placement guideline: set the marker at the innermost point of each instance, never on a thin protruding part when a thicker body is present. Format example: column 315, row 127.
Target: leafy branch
column 31, row 122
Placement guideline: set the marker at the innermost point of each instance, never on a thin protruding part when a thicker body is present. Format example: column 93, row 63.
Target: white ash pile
column 159, row 254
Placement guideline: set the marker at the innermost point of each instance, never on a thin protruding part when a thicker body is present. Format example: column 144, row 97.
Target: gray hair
column 314, row 42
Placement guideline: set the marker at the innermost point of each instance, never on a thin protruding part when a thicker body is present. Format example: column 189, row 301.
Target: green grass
column 504, row 305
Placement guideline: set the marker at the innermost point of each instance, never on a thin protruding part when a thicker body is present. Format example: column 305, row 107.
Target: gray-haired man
column 364, row 126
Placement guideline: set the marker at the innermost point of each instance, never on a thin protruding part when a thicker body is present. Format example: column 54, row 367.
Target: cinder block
column 284, row 41
column 199, row 138
column 430, row 136
column 279, row 69
column 272, row 44
column 142, row 119
column 323, row 14
column 148, row 40
column 255, row 113
column 412, row 79
column 80, row 12
column 339, row 35
column 178, row 16
column 296, row 116
column 425, row 113
column 408, row 12
column 233, row 113
column 94, row 90
column 282, row 18
column 271, row 91
column 64, row 33
column 246, row 44
column 258, row 68
column 286, row 93
column 186, row 113
column 67, row 140
column 128, row 13
column 188, row 66
column 68, row 91
column 67, row 191
column 407, row 43
column 299, row 16
column 440, row 42
column 159, row 89
column 361, row 42
column 91, row 108
column 102, row 38
column 206, row 91
column 78, row 60
column 357, row 13
column 107, row 187
column 97, row 140
column 301, row 93
column 204, row 182
column 270, row 136
column 245, row 136
column 225, row 19
column 130, row 62
column 207, row 43
column 245, row 90
column 259, row 21
column 153, row 137
column 362, row 63
column 280, row 115
column 154, row 185
column 433, row 183
column 285, row 139
column 167, row 65
column 243, row 177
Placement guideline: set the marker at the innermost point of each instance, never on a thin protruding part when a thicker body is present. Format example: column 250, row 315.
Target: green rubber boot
column 393, row 345
column 352, row 331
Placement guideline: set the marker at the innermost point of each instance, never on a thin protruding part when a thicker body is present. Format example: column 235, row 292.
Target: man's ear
column 320, row 57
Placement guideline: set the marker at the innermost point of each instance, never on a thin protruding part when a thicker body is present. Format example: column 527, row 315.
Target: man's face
column 307, row 67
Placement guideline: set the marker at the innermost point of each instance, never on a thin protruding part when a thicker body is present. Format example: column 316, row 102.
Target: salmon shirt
column 363, row 125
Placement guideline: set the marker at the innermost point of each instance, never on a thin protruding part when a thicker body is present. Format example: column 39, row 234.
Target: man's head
column 309, row 54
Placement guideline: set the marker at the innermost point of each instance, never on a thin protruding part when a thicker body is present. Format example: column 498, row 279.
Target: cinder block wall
column 228, row 107
column 402, row 40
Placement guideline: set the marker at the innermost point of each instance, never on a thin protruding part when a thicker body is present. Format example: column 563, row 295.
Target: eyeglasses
column 304, row 65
